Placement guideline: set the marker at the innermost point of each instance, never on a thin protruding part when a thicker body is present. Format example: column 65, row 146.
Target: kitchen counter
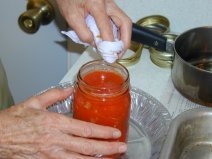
column 183, row 15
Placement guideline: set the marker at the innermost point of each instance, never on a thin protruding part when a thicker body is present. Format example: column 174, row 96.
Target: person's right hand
column 75, row 12
column 29, row 130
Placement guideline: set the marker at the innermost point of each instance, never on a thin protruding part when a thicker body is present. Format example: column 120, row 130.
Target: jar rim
column 116, row 89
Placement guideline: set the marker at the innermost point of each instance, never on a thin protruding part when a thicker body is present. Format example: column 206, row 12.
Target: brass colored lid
column 157, row 23
column 161, row 63
column 161, row 55
column 160, row 58
column 136, row 48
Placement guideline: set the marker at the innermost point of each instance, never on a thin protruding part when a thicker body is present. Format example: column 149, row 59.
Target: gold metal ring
column 157, row 23
column 137, row 49
column 162, row 58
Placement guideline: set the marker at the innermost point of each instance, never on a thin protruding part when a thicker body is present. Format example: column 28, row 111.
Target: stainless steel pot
column 192, row 65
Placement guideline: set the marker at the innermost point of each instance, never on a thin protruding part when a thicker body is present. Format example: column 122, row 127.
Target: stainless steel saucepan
column 192, row 65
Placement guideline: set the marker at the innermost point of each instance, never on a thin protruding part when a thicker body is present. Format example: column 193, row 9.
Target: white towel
column 109, row 50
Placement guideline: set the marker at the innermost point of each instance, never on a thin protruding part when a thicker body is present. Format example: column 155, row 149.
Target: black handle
column 147, row 37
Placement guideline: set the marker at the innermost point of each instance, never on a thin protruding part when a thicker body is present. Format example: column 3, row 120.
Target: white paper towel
column 109, row 50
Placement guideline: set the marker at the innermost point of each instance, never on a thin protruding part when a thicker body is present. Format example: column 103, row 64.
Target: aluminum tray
column 189, row 136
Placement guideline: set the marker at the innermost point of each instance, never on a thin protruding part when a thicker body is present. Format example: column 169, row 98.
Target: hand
column 75, row 11
column 28, row 130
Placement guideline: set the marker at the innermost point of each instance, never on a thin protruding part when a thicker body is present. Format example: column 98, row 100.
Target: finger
column 102, row 20
column 77, row 22
column 91, row 147
column 50, row 97
column 125, row 35
column 123, row 22
column 125, row 26
column 74, row 15
column 86, row 129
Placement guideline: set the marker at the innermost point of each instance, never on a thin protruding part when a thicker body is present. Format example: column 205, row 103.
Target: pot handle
column 147, row 37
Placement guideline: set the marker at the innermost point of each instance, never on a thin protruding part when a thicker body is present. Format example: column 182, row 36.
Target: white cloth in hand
column 108, row 49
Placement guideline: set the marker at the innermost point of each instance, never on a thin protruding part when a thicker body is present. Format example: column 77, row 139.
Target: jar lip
column 125, row 82
column 123, row 85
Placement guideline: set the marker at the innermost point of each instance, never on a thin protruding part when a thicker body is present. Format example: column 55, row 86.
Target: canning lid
column 135, row 51
column 161, row 63
column 162, row 58
column 157, row 23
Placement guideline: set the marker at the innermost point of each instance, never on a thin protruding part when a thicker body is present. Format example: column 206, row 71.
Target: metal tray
column 189, row 136
column 150, row 120
column 149, row 123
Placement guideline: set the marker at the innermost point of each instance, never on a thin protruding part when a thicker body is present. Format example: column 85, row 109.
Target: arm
column 28, row 130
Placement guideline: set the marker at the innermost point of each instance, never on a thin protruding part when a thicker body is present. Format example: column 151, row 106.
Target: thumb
column 48, row 98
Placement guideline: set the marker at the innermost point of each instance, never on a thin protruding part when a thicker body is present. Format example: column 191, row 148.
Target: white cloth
column 109, row 50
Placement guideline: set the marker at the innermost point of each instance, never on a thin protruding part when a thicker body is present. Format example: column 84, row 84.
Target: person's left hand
column 29, row 130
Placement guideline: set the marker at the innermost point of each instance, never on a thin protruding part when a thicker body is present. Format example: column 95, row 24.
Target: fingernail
column 123, row 148
column 116, row 134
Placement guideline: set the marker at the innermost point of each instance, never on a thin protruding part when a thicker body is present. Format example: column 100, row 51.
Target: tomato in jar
column 102, row 95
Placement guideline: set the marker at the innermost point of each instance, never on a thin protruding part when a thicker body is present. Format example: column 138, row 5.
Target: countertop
column 182, row 14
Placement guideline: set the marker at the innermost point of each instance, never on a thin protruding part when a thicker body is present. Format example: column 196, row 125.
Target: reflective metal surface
column 164, row 55
column 191, row 73
column 161, row 63
column 38, row 12
column 153, row 118
column 157, row 23
column 136, row 50
column 163, row 58
column 189, row 136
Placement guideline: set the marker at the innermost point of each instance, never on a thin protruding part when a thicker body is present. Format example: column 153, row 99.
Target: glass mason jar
column 102, row 95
